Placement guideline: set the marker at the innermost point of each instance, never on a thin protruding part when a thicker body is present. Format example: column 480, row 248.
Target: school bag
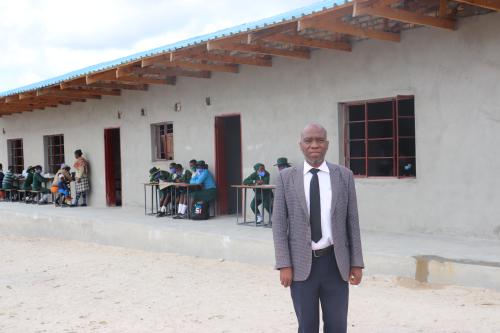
column 200, row 211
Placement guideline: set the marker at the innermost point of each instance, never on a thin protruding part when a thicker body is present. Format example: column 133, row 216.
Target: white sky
column 46, row 38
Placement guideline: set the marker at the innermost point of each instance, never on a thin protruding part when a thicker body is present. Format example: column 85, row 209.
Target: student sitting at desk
column 204, row 178
column 37, row 185
column 8, row 180
column 181, row 176
column 260, row 177
column 156, row 176
column 62, row 191
column 28, row 180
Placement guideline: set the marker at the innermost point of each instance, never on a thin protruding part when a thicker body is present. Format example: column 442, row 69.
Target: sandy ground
column 66, row 286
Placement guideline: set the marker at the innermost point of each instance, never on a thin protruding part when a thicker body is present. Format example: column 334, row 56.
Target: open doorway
column 113, row 168
column 227, row 161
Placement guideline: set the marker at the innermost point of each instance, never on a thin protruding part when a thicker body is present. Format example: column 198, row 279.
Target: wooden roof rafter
column 381, row 9
column 111, row 75
column 487, row 4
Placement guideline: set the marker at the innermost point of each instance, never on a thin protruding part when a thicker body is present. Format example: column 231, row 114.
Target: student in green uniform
column 282, row 163
column 181, row 176
column 156, row 176
column 260, row 177
column 8, row 182
column 28, row 180
column 38, row 185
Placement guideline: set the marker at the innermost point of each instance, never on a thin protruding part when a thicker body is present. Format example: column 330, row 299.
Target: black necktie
column 315, row 206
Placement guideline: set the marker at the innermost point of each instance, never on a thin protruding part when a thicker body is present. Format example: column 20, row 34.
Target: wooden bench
column 22, row 195
column 9, row 193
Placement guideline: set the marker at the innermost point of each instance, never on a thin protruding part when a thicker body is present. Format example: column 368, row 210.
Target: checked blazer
column 291, row 227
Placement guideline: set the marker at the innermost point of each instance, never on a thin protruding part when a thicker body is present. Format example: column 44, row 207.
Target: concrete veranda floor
column 429, row 258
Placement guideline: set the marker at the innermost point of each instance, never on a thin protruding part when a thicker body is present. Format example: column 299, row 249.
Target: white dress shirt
column 325, row 193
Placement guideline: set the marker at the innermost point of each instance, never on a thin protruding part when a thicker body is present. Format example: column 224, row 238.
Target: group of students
column 197, row 174
column 32, row 184
column 263, row 197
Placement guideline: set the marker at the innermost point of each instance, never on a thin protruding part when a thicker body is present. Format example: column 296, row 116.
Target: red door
column 227, row 161
column 220, row 166
column 112, row 166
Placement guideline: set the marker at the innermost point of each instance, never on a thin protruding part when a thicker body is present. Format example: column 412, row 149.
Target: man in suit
column 316, row 235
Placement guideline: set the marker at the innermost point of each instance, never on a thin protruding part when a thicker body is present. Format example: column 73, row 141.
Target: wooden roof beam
column 76, row 92
column 274, row 30
column 488, row 4
column 403, row 16
column 226, row 68
column 110, row 75
column 105, row 85
column 81, row 81
column 204, row 55
column 335, row 26
column 125, row 71
column 66, row 94
column 309, row 42
column 12, row 99
column 258, row 49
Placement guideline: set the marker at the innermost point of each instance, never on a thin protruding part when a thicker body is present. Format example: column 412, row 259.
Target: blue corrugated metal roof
column 296, row 13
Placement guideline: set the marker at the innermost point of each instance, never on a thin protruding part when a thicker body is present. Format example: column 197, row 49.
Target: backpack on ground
column 200, row 211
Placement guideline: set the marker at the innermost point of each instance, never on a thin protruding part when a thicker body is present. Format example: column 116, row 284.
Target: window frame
column 51, row 165
column 11, row 157
column 162, row 144
column 396, row 157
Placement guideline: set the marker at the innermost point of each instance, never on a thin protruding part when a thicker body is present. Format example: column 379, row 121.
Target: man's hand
column 286, row 276
column 259, row 182
column 355, row 275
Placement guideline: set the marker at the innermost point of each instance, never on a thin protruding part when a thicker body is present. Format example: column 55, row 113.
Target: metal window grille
column 380, row 137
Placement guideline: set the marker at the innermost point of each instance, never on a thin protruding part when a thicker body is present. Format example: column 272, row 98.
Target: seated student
column 282, row 163
column 166, row 193
column 8, row 181
column 181, row 176
column 155, row 176
column 192, row 166
column 260, row 177
column 37, row 185
column 28, row 180
column 65, row 171
column 203, row 177
column 62, row 191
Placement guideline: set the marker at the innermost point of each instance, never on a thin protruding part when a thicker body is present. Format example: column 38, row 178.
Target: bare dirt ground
column 65, row 286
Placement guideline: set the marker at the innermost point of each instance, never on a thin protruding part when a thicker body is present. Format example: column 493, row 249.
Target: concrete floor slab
column 437, row 259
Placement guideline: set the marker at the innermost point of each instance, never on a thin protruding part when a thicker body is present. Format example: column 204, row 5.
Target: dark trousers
column 325, row 286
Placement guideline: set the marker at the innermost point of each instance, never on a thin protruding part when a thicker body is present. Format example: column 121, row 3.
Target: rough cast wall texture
column 453, row 75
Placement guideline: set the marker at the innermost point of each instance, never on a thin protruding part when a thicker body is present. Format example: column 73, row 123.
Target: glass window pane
column 380, row 129
column 358, row 167
column 380, row 110
column 406, row 107
column 356, row 112
column 380, row 167
column 382, row 148
column 407, row 167
column 406, row 127
column 357, row 149
column 407, row 147
column 357, row 131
